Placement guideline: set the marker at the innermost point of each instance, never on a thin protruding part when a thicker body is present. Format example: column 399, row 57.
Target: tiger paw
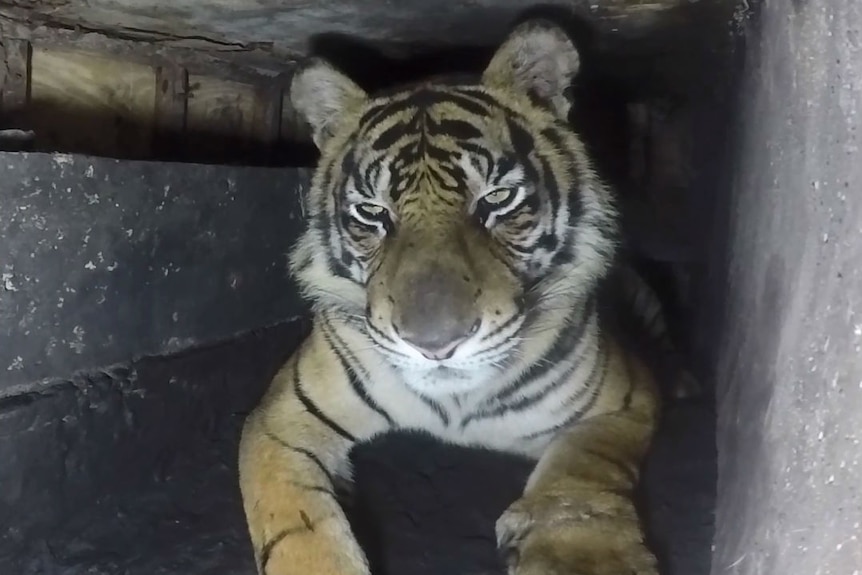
column 580, row 533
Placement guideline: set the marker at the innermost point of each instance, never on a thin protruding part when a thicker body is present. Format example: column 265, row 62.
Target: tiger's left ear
column 538, row 58
column 323, row 96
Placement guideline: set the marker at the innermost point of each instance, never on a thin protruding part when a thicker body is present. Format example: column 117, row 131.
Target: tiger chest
column 524, row 425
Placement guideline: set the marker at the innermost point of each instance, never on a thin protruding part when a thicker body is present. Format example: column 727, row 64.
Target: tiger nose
column 437, row 315
column 439, row 345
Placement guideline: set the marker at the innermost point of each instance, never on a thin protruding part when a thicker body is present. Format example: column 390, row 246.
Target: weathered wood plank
column 251, row 63
column 14, row 74
column 266, row 120
column 85, row 101
column 220, row 120
column 171, row 107
column 93, row 103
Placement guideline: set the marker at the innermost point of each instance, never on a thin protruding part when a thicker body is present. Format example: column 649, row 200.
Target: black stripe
column 478, row 97
column 595, row 385
column 526, row 150
column 492, row 353
column 587, row 387
column 577, row 415
column 523, row 250
column 625, row 466
column 310, row 455
column 317, row 488
column 522, row 141
column 627, row 400
column 316, row 412
column 370, row 172
column 435, row 406
column 454, row 173
column 467, row 102
column 372, row 117
column 437, row 153
column 553, row 136
column 565, row 344
column 381, row 334
column 480, row 151
column 525, row 402
column 372, row 328
column 336, row 266
column 566, row 255
column 548, row 242
column 568, row 337
column 507, row 264
column 458, row 129
column 372, row 114
column 266, row 550
column 502, row 327
column 337, row 344
column 386, row 139
column 348, row 165
column 326, row 228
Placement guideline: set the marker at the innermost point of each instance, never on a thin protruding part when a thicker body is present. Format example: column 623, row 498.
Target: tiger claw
column 512, row 526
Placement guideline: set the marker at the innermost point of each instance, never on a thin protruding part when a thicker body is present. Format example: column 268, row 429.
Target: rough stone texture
column 789, row 359
column 102, row 261
column 134, row 470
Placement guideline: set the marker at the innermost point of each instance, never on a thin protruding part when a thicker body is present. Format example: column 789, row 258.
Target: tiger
column 458, row 236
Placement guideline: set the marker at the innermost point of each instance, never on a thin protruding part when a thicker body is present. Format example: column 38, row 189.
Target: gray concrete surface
column 103, row 261
column 789, row 356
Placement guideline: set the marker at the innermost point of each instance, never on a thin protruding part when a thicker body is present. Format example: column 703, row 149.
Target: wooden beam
column 14, row 74
column 89, row 103
column 220, row 120
column 171, row 109
column 266, row 119
column 242, row 63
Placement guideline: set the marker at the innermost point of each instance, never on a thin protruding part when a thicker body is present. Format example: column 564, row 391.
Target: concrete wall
column 789, row 278
column 104, row 261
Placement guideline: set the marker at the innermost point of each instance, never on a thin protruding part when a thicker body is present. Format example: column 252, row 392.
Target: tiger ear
column 321, row 96
column 538, row 58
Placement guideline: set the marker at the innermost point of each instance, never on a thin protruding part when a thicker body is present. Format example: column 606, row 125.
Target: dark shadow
column 374, row 70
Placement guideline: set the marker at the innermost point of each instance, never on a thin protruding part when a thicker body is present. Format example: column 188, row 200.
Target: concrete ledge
column 102, row 261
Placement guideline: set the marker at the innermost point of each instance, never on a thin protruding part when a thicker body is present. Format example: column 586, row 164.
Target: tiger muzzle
column 435, row 311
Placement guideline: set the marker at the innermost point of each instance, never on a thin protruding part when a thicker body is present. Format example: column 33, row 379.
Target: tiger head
column 455, row 222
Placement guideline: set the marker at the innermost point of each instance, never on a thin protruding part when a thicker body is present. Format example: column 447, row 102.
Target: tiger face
column 455, row 222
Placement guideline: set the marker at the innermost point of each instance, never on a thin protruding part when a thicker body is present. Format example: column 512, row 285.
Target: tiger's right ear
column 321, row 95
column 538, row 58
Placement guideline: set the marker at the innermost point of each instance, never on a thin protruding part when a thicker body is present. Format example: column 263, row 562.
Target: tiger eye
column 497, row 196
column 369, row 210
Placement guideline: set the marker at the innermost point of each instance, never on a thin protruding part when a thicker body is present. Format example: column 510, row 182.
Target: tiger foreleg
column 295, row 522
column 577, row 513
column 293, row 448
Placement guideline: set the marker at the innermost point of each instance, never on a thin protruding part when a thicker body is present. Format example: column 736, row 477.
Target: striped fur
column 645, row 321
column 458, row 235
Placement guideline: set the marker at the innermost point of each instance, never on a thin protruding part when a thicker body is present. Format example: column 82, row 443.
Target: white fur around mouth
column 444, row 381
